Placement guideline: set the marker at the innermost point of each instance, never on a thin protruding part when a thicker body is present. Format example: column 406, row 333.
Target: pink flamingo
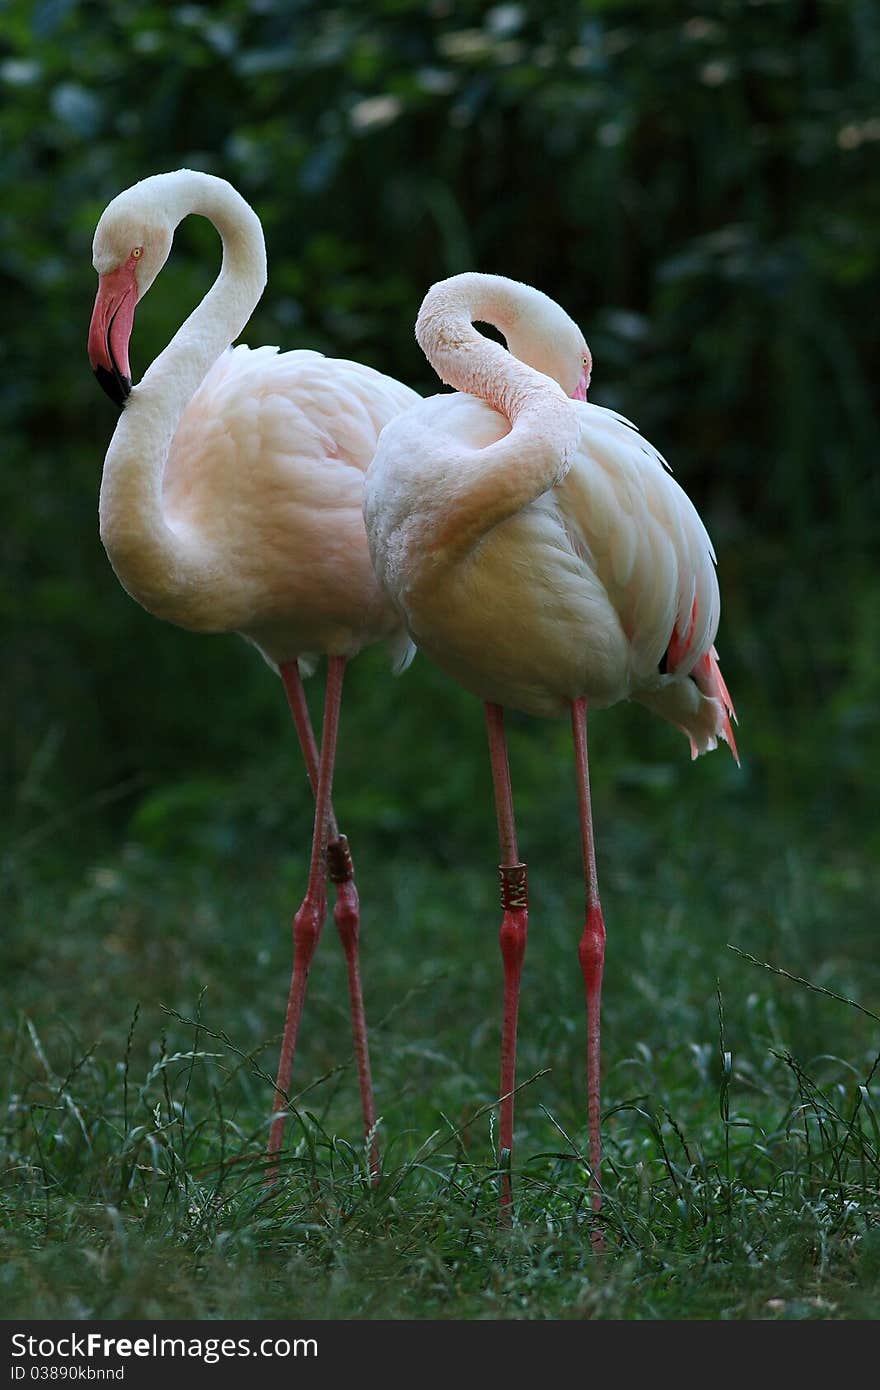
column 541, row 554
column 231, row 502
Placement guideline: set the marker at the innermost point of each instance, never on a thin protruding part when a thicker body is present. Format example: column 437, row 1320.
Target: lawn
column 145, row 973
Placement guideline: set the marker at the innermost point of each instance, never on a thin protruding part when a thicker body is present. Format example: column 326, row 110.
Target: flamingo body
column 541, row 554
column 232, row 489
column 265, row 474
column 231, row 502
column 580, row 593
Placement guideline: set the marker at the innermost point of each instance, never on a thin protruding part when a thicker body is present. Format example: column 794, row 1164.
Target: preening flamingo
column 542, row 555
column 231, row 502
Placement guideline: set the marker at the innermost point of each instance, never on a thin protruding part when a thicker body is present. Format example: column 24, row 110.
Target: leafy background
column 695, row 183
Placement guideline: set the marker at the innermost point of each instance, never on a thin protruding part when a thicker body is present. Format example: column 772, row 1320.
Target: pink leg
column 592, row 955
column 346, row 913
column 309, row 919
column 512, row 936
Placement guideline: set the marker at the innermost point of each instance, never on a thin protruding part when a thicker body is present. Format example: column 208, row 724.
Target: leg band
column 514, row 880
column 340, row 868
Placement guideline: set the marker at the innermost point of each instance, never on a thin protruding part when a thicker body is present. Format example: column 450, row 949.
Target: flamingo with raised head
column 542, row 555
column 231, row 502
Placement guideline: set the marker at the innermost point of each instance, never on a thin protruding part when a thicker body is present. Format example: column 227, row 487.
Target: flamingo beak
column 580, row 391
column 110, row 331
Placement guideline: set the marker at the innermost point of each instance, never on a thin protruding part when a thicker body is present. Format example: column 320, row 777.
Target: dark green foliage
column 695, row 183
column 691, row 182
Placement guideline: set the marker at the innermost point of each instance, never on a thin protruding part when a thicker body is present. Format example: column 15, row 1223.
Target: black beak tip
column 117, row 386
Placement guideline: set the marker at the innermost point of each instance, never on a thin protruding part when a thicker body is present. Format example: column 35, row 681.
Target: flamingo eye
column 137, row 252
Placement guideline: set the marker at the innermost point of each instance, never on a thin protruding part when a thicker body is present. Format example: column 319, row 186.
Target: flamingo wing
column 645, row 541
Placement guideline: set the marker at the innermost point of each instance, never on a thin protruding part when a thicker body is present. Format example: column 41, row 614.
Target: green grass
column 143, row 992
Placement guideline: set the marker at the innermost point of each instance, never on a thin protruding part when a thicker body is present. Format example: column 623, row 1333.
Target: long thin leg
column 296, row 699
column 346, row 913
column 512, row 937
column 309, row 919
column 592, row 954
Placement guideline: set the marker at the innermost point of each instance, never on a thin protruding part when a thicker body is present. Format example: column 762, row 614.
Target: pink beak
column 110, row 331
column 580, row 391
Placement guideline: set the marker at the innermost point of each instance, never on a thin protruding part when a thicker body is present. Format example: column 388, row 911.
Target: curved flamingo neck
column 468, row 361
column 163, row 567
column 220, row 317
column 545, row 426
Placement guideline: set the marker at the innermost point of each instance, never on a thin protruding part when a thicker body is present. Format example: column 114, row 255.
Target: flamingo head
column 541, row 334
column 583, row 381
column 580, row 391
column 565, row 357
column 131, row 245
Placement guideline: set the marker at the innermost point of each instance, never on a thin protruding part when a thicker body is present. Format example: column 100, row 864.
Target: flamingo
column 231, row 502
column 541, row 554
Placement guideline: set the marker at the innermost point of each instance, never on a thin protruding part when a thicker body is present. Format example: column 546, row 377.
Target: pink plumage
column 581, row 588
column 267, row 466
column 541, row 554
column 231, row 502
